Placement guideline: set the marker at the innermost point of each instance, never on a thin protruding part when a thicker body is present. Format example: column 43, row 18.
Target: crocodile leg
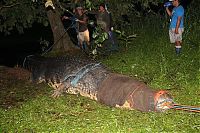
column 58, row 91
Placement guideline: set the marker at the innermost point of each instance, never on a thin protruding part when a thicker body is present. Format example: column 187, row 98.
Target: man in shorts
column 176, row 25
column 83, row 32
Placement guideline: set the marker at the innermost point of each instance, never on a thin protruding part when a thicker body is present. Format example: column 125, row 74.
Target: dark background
column 15, row 47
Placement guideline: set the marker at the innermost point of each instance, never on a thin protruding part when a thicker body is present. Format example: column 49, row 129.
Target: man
column 104, row 18
column 104, row 21
column 176, row 25
column 83, row 32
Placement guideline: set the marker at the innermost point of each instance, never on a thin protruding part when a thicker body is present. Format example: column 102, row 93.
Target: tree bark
column 62, row 40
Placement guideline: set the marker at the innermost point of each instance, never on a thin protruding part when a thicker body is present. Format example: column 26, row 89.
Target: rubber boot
column 178, row 49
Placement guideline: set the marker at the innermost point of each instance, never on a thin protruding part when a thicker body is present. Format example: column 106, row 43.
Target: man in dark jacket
column 104, row 20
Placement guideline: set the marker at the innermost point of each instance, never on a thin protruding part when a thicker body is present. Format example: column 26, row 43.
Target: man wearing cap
column 83, row 32
column 176, row 25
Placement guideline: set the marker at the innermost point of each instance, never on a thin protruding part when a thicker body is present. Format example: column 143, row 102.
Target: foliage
column 126, row 39
column 44, row 44
column 192, row 23
column 136, row 8
column 21, row 14
column 99, row 37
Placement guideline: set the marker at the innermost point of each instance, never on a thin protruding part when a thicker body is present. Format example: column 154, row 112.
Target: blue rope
column 186, row 107
column 65, row 31
column 73, row 19
column 82, row 72
column 78, row 75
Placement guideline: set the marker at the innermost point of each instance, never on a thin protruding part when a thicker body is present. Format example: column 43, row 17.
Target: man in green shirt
column 104, row 20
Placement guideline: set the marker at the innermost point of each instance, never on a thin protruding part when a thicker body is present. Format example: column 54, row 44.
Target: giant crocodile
column 92, row 79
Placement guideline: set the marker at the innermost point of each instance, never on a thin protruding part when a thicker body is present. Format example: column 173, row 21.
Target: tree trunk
column 62, row 40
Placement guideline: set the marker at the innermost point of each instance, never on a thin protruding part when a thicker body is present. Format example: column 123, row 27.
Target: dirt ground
column 16, row 87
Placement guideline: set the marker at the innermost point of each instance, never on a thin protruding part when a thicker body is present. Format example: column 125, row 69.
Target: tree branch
column 62, row 7
column 9, row 6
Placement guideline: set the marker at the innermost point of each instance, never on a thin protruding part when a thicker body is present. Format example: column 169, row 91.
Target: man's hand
column 77, row 20
column 176, row 31
column 177, row 25
column 168, row 11
column 65, row 17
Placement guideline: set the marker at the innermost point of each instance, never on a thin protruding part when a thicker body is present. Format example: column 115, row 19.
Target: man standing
column 104, row 19
column 176, row 25
column 83, row 32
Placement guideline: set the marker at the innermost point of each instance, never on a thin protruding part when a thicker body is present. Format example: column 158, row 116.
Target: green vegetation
column 149, row 58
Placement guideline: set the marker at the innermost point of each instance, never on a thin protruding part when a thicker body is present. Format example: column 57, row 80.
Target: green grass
column 149, row 58
column 77, row 114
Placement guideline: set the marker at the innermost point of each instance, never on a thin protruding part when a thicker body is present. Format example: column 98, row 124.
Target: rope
column 25, row 59
column 82, row 72
column 78, row 75
column 169, row 103
column 71, row 26
column 186, row 108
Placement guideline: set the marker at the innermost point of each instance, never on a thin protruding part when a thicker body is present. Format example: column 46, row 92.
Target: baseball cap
column 79, row 7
